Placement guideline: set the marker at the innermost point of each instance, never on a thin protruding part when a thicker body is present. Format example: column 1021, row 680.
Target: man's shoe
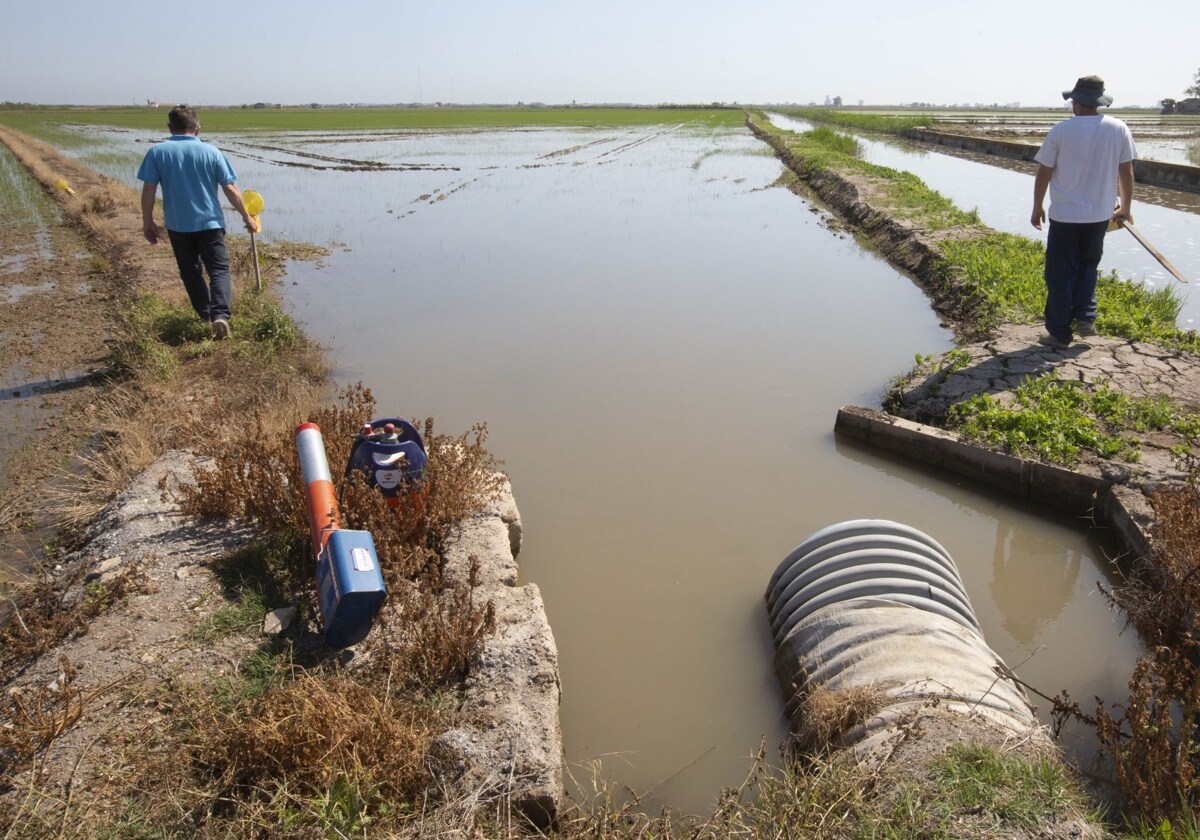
column 1086, row 329
column 1051, row 341
column 220, row 328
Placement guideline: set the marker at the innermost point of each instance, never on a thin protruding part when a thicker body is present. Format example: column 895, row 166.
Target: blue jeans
column 210, row 299
column 1073, row 253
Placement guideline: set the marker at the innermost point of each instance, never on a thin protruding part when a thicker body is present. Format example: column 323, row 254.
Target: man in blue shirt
column 190, row 172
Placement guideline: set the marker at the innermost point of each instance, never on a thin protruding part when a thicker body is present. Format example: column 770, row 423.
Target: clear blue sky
column 209, row 52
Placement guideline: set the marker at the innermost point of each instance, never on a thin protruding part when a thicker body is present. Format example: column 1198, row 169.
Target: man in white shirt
column 1086, row 162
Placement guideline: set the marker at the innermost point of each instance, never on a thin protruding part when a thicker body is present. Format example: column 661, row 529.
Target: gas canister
column 390, row 455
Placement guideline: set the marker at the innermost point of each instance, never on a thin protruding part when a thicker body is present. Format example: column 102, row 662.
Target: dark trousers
column 211, row 299
column 1073, row 252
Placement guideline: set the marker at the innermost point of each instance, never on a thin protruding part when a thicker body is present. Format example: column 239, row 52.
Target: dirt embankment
column 119, row 635
column 63, row 287
column 82, row 426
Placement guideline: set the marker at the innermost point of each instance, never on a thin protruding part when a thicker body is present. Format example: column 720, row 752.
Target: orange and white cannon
column 350, row 590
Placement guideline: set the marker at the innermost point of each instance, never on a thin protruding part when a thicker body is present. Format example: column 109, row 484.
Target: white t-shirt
column 1084, row 153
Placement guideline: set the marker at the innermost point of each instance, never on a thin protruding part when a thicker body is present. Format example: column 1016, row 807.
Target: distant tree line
column 1171, row 106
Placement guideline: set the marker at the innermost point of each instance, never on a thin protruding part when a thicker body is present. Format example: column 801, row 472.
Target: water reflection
column 1007, row 552
column 1033, row 578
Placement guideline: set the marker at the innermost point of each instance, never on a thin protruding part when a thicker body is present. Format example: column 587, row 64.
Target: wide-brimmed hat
column 1089, row 90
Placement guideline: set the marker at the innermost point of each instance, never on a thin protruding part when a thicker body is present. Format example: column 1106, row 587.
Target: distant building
column 1183, row 106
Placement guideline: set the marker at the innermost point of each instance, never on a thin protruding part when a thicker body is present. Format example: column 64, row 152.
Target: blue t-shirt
column 190, row 172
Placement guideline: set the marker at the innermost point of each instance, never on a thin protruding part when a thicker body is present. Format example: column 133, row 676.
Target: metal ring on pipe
column 804, row 568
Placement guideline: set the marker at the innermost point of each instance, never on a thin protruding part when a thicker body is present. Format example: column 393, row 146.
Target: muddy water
column 26, row 216
column 659, row 342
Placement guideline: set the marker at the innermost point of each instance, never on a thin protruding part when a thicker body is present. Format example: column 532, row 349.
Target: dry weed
column 256, row 478
column 1153, row 738
column 100, row 203
column 324, row 749
column 31, row 724
column 41, row 619
column 428, row 638
column 311, row 732
column 829, row 714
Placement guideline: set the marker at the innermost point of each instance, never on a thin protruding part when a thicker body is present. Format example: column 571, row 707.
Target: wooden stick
column 258, row 280
column 1154, row 252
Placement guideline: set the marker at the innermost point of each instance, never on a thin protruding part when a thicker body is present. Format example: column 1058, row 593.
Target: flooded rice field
column 1171, row 139
column 658, row 339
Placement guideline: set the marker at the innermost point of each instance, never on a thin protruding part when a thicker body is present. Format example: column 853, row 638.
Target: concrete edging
column 1176, row 176
column 510, row 744
column 1121, row 507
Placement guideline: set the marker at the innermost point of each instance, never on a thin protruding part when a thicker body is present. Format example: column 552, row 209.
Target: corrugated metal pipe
column 878, row 608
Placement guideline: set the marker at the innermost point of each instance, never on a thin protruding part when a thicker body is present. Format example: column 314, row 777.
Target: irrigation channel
column 659, row 341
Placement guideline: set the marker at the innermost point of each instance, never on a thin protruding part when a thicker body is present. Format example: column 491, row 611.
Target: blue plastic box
column 350, row 588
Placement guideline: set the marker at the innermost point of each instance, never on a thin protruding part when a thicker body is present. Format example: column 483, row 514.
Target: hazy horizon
column 642, row 53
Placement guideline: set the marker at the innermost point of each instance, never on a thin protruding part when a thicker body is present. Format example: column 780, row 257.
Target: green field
column 43, row 121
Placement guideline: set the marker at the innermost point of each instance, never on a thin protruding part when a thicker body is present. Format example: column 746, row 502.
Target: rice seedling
column 883, row 123
column 21, row 201
column 55, row 125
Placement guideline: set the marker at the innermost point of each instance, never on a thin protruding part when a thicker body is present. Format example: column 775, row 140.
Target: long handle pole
column 323, row 514
column 1154, row 252
column 254, row 248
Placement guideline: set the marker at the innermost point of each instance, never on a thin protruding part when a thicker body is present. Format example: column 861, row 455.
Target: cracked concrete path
column 1001, row 363
column 1004, row 361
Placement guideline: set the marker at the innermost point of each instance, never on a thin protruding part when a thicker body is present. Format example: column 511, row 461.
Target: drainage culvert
column 876, row 610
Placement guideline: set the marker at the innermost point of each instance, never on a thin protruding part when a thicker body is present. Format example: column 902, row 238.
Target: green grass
column 888, row 124
column 260, row 319
column 1186, row 828
column 158, row 334
column 141, row 346
column 1006, row 272
column 257, row 673
column 1001, row 271
column 247, row 611
column 1058, row 420
column 48, row 123
column 970, row 791
column 1015, row 792
column 834, row 141
column 902, row 194
column 21, row 199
